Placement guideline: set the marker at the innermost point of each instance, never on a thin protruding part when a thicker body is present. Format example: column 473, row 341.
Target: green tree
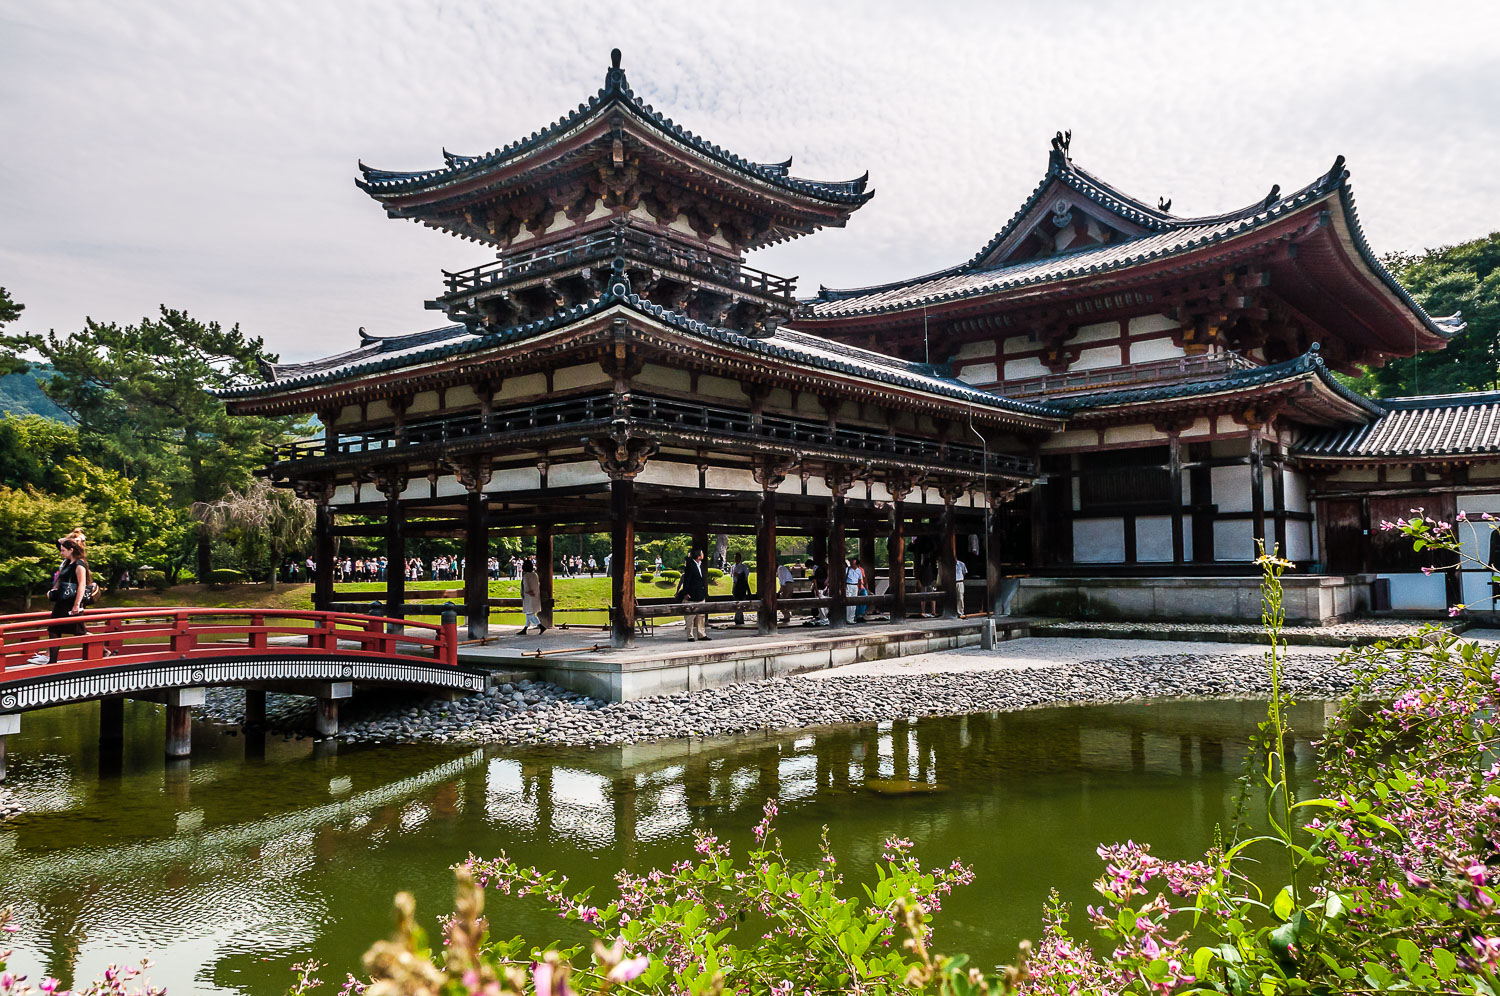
column 1464, row 278
column 265, row 522
column 141, row 396
column 11, row 346
column 51, row 488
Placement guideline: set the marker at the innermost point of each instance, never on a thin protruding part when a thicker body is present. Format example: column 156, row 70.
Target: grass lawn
column 569, row 593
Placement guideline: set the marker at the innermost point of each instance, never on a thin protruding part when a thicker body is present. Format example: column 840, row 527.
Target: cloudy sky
column 203, row 154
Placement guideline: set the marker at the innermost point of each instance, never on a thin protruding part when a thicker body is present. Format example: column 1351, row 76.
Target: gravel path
column 1023, row 674
column 1344, row 633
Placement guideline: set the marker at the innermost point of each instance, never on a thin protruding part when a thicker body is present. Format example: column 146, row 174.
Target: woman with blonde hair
column 70, row 589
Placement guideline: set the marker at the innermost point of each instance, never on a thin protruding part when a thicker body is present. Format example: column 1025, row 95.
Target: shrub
column 671, row 575
column 226, row 575
column 645, row 577
column 713, row 574
column 155, row 579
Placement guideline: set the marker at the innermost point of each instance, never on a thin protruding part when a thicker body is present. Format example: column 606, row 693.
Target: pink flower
column 1427, row 570
column 1149, row 947
column 48, row 985
column 1454, row 610
column 1462, row 516
column 1476, row 873
column 629, row 969
column 1486, row 516
column 1386, row 525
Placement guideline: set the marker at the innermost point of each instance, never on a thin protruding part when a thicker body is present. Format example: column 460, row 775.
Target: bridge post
column 180, row 702
column 255, row 708
column 111, row 722
column 326, row 722
column 395, row 570
column 10, row 722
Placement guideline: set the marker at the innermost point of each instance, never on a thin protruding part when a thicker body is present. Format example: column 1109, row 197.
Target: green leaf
column 1445, row 962
column 1284, row 905
column 1202, row 959
column 1408, row 953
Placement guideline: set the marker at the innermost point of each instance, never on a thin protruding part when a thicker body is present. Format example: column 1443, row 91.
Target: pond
column 263, row 851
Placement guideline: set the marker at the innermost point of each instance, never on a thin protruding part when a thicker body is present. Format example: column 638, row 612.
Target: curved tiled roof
column 379, row 356
column 1434, row 426
column 1166, row 236
column 616, row 93
column 1309, row 362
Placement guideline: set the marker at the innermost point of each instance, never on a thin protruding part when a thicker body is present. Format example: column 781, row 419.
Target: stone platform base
column 1317, row 598
column 667, row 663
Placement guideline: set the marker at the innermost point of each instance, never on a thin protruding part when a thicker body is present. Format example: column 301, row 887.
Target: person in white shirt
column 960, row 571
column 783, row 591
column 852, row 574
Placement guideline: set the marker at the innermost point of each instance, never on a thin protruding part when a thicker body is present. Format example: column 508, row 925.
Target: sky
column 203, row 155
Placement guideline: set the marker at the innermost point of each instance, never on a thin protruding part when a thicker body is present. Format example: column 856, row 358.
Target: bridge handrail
column 131, row 636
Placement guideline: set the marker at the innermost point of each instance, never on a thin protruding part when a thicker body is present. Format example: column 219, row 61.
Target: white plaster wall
column 976, row 350
column 343, row 495
column 1027, row 366
column 582, row 375
column 1099, row 541
column 1484, row 471
column 1234, row 540
column 1069, row 437
column 1299, row 543
column 570, row 475
column 1019, row 344
column 1154, row 349
column 1417, row 591
column 979, row 373
column 730, row 479
column 460, row 396
column 1200, row 426
column 1151, row 323
column 448, row 485
column 1355, row 475
column 1098, row 356
column 1231, row 488
column 673, row 380
column 514, row 479
column 1153, row 538
column 879, row 492
column 379, row 409
column 522, row 387
column 816, row 486
column 720, row 387
column 1475, row 542
column 417, row 487
column 1096, row 332
column 348, row 415
column 1132, row 434
column 792, row 485
column 1296, row 492
column 669, row 474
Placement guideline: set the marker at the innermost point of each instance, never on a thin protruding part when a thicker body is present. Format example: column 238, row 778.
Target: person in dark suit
column 695, row 589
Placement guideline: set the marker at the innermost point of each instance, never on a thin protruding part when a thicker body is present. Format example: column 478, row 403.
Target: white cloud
column 203, row 155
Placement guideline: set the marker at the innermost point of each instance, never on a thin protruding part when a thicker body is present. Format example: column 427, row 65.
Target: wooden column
column 1174, row 472
column 836, row 554
column 622, row 561
column 896, row 554
column 395, row 553
column 476, row 568
column 947, row 555
column 994, row 542
column 1040, row 494
column 1257, row 487
column 544, row 573
column 1278, row 501
column 323, row 558
column 765, row 563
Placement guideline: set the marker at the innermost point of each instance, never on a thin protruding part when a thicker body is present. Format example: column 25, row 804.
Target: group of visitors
column 574, row 566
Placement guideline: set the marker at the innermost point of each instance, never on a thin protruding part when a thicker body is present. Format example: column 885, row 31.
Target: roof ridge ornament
column 615, row 78
column 1272, row 197
column 1164, row 204
column 1059, row 157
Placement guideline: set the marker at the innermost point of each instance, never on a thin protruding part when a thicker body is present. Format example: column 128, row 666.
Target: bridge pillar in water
column 326, row 721
column 10, row 722
column 180, row 702
column 255, row 708
column 111, row 722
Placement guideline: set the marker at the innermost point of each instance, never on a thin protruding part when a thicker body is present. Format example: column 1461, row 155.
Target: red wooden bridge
column 173, row 655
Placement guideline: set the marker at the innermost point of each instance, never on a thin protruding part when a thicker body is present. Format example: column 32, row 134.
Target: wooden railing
column 624, row 242
column 129, row 637
column 1127, row 375
column 663, row 414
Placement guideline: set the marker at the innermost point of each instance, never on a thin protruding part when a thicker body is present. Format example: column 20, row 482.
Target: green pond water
column 261, row 852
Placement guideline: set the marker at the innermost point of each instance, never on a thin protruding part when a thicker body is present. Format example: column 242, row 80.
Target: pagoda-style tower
column 612, row 189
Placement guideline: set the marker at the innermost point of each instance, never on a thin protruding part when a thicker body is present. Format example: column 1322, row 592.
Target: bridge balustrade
column 129, row 637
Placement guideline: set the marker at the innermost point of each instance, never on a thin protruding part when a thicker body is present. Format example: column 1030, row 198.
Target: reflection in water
column 263, row 851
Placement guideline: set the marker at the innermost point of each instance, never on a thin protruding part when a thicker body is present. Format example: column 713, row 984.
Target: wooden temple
column 618, row 368
column 1109, row 402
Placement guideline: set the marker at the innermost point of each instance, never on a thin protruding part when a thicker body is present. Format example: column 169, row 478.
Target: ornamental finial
column 614, row 58
column 1164, row 204
column 1060, row 143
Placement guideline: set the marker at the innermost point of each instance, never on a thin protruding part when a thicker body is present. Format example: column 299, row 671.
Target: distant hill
column 21, row 394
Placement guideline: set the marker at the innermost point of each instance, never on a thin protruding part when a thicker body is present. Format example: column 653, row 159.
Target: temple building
column 1101, row 413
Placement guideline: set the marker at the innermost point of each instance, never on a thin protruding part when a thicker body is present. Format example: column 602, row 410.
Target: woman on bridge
column 69, row 591
column 531, row 598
